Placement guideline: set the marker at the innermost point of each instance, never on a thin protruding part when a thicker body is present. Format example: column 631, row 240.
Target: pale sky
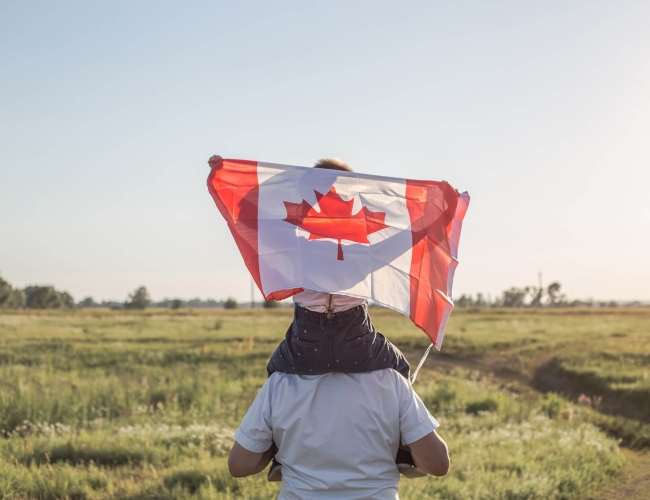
column 109, row 111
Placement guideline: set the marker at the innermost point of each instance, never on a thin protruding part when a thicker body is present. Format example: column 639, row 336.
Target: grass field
column 143, row 405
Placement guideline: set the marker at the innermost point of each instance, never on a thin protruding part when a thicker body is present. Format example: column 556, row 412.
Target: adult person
column 337, row 434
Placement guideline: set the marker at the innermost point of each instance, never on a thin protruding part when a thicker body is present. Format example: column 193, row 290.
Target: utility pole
column 252, row 293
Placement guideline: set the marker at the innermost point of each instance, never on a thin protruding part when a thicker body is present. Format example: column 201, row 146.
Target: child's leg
column 392, row 353
column 304, row 350
column 358, row 347
column 385, row 355
column 279, row 361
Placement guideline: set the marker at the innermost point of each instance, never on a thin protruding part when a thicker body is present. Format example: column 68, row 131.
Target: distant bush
column 34, row 297
column 631, row 432
column 177, row 304
column 230, row 303
column 88, row 302
column 198, row 303
column 6, row 292
column 18, row 299
column 46, row 297
column 139, row 299
column 554, row 405
column 443, row 396
column 515, row 297
column 192, row 480
column 487, row 404
column 271, row 304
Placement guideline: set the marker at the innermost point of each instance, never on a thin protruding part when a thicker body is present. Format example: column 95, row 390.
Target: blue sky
column 109, row 111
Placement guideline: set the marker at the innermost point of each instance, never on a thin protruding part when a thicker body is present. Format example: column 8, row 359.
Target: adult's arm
column 430, row 454
column 418, row 430
column 254, row 448
column 242, row 462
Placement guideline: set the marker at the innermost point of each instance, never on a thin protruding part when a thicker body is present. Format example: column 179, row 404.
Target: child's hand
column 213, row 159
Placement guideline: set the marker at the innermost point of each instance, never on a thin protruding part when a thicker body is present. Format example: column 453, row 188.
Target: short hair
column 333, row 164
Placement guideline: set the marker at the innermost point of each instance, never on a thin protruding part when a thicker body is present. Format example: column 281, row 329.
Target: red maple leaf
column 335, row 219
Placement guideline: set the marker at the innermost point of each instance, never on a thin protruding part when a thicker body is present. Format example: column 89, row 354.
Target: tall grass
column 103, row 404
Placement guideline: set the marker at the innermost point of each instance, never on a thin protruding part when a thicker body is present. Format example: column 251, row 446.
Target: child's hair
column 333, row 164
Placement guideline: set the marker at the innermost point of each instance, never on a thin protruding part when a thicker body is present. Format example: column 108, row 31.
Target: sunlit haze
column 110, row 110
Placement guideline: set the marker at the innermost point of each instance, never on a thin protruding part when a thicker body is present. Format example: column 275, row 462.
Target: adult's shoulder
column 277, row 380
column 285, row 383
column 400, row 384
column 395, row 377
column 390, row 378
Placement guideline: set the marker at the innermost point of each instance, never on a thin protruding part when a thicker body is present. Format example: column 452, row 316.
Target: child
column 333, row 333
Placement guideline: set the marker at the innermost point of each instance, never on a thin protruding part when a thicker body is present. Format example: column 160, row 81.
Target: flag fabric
column 394, row 241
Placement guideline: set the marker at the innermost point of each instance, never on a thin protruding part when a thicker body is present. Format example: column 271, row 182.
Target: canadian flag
column 394, row 241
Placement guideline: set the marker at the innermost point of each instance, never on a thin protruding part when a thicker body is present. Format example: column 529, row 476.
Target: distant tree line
column 33, row 297
column 531, row 296
column 140, row 299
column 165, row 304
column 47, row 297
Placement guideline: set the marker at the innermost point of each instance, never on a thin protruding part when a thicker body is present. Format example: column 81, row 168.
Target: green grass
column 110, row 405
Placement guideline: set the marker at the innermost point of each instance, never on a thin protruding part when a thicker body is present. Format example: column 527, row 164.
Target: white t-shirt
column 317, row 301
column 337, row 434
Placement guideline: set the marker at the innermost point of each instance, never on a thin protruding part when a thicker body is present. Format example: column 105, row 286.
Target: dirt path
column 493, row 364
column 633, row 483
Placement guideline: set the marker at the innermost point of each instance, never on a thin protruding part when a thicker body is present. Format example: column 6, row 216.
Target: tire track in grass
column 633, row 483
